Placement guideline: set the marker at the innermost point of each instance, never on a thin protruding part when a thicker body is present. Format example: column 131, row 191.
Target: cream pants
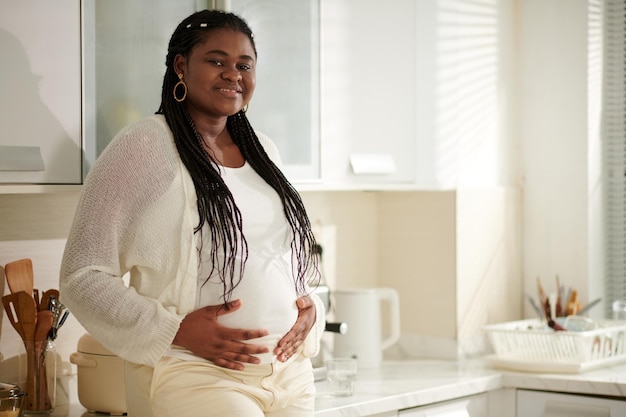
column 192, row 389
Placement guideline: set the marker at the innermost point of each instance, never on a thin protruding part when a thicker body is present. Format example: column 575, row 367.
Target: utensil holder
column 40, row 377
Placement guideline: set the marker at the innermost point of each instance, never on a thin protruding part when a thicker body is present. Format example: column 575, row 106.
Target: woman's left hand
column 290, row 343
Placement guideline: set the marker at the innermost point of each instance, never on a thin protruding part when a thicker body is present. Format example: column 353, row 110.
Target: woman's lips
column 229, row 92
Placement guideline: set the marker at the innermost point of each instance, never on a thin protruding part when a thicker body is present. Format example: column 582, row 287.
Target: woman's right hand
column 201, row 333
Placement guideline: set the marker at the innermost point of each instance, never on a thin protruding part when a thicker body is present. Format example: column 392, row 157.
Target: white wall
column 553, row 128
column 453, row 256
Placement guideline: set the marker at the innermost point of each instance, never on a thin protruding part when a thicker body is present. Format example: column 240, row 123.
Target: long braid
column 216, row 206
column 303, row 242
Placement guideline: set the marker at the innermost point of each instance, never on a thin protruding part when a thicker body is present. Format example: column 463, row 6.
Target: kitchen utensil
column 36, row 297
column 27, row 315
column 534, row 305
column 559, row 300
column 101, row 382
column 38, row 377
column 45, row 303
column 548, row 316
column 589, row 306
column 10, row 303
column 19, row 276
column 44, row 325
column 360, row 309
column 541, row 292
column 11, row 399
column 59, row 315
column 26, row 312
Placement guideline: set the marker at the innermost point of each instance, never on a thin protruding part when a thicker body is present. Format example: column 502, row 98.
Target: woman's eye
column 245, row 67
column 216, row 62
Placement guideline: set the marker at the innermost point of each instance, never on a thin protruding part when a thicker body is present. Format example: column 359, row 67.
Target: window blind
column 614, row 135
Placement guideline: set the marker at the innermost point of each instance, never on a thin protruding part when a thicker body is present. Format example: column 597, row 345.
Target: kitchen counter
column 405, row 384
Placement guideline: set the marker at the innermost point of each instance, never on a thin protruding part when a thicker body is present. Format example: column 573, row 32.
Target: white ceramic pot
column 101, row 383
column 361, row 310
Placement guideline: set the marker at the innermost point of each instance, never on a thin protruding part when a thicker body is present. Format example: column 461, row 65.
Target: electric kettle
column 361, row 309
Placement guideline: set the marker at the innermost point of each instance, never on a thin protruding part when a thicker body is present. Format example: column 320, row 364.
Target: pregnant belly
column 275, row 314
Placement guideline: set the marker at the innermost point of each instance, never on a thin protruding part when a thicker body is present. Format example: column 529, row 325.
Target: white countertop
column 402, row 384
column 405, row 384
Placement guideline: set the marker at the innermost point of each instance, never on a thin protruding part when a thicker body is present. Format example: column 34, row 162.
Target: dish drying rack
column 531, row 346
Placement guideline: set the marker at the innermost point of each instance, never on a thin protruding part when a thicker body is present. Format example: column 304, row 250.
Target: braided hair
column 216, row 206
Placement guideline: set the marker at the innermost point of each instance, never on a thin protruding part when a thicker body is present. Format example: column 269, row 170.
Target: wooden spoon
column 44, row 325
column 27, row 315
column 19, row 275
column 10, row 302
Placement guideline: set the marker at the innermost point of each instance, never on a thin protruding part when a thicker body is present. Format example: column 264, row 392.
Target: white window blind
column 614, row 132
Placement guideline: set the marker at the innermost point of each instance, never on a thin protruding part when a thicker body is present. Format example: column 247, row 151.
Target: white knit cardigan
column 136, row 214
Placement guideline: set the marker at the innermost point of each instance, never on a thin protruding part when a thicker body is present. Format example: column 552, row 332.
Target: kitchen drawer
column 474, row 406
column 552, row 404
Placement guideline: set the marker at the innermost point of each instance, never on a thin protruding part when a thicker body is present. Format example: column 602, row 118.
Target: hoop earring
column 184, row 86
column 244, row 108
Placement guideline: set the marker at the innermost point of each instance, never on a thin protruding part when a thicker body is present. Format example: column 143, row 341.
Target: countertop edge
column 418, row 398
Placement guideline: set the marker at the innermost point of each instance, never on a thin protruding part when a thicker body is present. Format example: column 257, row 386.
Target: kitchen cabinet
column 357, row 96
column 551, row 404
column 325, row 80
column 368, row 90
column 473, row 406
column 286, row 102
column 40, row 104
column 125, row 45
column 125, row 67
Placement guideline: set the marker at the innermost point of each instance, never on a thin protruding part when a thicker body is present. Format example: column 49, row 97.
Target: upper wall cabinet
column 335, row 81
column 368, row 106
column 40, row 103
column 125, row 49
column 286, row 100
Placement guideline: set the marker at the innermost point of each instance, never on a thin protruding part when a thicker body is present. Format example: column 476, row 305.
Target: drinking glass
column 619, row 310
column 341, row 376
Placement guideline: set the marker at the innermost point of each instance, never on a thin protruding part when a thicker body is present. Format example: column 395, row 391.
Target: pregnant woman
column 190, row 253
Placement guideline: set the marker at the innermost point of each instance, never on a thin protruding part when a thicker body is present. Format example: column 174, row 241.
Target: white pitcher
column 360, row 309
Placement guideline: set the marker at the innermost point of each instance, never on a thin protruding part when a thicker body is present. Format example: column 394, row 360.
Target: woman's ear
column 179, row 64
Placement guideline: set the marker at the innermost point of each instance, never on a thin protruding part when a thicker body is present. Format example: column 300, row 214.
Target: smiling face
column 219, row 74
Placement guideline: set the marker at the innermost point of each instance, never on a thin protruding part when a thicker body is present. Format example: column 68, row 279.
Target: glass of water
column 341, row 374
column 619, row 310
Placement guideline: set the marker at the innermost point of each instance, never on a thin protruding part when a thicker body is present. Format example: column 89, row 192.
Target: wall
column 558, row 128
column 36, row 226
column 454, row 256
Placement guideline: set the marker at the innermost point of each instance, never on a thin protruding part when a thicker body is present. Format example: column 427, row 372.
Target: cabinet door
column 40, row 103
column 547, row 404
column 368, row 104
column 125, row 49
column 474, row 406
column 124, row 74
column 285, row 105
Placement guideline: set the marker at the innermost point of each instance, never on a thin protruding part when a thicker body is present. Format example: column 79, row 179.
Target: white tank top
column 267, row 289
